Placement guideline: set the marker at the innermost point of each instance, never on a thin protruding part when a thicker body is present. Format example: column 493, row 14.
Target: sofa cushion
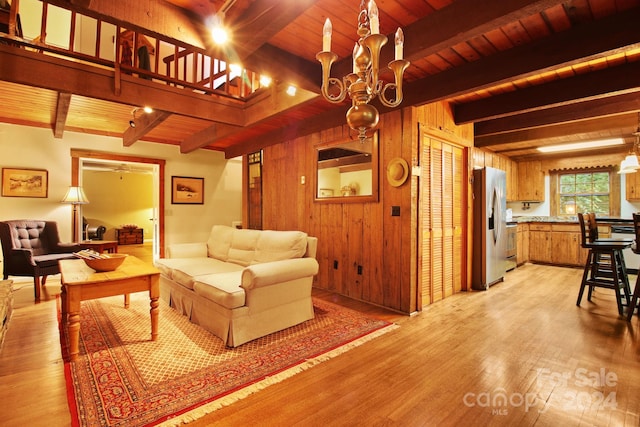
column 182, row 270
column 243, row 246
column 222, row 288
column 280, row 245
column 219, row 242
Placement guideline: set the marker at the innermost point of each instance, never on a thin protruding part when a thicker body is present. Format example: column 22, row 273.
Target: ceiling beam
column 458, row 22
column 143, row 125
column 269, row 60
column 62, row 109
column 263, row 20
column 45, row 71
column 586, row 42
column 329, row 119
column 606, row 127
column 268, row 104
column 583, row 87
column 612, row 105
column 589, row 41
column 207, row 136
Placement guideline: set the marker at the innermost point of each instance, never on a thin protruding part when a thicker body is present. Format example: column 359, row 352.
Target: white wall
column 36, row 148
column 544, row 208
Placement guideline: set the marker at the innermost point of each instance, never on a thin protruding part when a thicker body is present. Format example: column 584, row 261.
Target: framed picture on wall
column 186, row 190
column 17, row 182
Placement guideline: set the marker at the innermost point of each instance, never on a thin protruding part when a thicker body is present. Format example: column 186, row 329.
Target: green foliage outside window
column 584, row 192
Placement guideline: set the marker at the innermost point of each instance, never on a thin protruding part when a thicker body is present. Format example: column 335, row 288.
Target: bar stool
column 636, row 292
column 605, row 266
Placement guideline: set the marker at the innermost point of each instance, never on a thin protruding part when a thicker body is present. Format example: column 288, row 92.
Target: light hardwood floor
column 523, row 339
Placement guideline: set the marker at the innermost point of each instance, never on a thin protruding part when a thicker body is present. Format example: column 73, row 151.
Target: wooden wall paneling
column 390, row 143
column 355, row 271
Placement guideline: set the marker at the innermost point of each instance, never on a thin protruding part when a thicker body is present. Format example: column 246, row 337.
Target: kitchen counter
column 570, row 219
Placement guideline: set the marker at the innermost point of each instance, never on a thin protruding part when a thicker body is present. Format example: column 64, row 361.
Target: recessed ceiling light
column 291, row 90
column 581, row 145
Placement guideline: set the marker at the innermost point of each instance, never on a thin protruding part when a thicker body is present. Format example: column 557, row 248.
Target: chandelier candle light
column 363, row 84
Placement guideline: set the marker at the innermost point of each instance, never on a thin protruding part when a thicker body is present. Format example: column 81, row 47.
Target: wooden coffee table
column 80, row 283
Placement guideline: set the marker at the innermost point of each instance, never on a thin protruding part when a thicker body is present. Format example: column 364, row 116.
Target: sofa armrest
column 187, row 250
column 269, row 273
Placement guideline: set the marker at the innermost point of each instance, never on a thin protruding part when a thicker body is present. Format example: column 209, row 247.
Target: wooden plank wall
column 359, row 234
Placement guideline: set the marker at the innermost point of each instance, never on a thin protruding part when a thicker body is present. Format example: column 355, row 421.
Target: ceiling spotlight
column 132, row 123
column 148, row 110
column 291, row 90
column 219, row 35
column 265, row 81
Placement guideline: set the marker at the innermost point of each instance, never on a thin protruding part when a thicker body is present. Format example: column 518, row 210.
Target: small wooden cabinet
column 565, row 245
column 632, row 182
column 130, row 236
column 540, row 242
column 530, row 182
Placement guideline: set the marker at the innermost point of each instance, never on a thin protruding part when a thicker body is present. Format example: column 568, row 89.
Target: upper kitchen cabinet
column 512, row 181
column 633, row 186
column 530, row 182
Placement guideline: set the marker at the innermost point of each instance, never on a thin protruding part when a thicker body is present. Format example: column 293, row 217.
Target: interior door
column 442, row 219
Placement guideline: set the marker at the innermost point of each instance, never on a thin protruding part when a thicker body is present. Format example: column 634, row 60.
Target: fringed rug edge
column 235, row 396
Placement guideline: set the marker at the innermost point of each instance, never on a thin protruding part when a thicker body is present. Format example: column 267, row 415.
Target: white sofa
column 241, row 284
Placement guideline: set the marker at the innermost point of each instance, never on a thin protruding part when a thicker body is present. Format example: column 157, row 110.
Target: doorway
column 127, row 190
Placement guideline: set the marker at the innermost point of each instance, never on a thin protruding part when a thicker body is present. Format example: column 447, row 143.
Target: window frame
column 614, row 190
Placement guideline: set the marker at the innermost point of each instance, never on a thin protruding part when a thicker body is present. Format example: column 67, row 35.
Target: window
column 584, row 192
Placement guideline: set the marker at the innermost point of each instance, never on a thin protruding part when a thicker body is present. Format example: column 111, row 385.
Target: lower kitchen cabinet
column 555, row 243
column 522, row 252
column 565, row 245
column 540, row 243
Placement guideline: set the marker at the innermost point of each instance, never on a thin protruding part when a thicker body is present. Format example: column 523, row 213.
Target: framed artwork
column 17, row 182
column 187, row 191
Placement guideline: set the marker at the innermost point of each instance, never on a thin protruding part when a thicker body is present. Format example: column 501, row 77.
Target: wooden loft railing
column 185, row 66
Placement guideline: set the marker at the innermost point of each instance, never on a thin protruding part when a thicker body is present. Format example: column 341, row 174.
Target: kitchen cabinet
column 530, row 182
column 522, row 250
column 632, row 182
column 556, row 243
column 540, row 243
column 565, row 245
column 512, row 180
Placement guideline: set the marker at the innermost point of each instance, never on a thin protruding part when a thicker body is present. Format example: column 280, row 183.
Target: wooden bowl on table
column 107, row 262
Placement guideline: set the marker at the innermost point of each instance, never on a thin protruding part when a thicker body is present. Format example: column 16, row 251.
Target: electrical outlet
column 395, row 210
column 303, row 179
column 360, row 270
column 335, row 264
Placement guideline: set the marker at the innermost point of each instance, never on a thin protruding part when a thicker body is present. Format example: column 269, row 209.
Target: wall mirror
column 347, row 171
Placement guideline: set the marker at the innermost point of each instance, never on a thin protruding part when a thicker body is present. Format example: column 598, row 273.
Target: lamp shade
column 75, row 196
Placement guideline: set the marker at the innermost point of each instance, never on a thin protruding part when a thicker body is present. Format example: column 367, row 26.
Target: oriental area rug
column 122, row 378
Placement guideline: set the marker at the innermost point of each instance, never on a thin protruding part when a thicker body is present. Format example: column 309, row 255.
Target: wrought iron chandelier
column 363, row 84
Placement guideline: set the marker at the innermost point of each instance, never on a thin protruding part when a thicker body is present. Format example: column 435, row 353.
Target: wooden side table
column 109, row 246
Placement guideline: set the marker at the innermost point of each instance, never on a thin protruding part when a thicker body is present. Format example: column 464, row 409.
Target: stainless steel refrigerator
column 489, row 227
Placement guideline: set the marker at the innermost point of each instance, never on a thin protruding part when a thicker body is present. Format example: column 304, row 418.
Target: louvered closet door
column 441, row 219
